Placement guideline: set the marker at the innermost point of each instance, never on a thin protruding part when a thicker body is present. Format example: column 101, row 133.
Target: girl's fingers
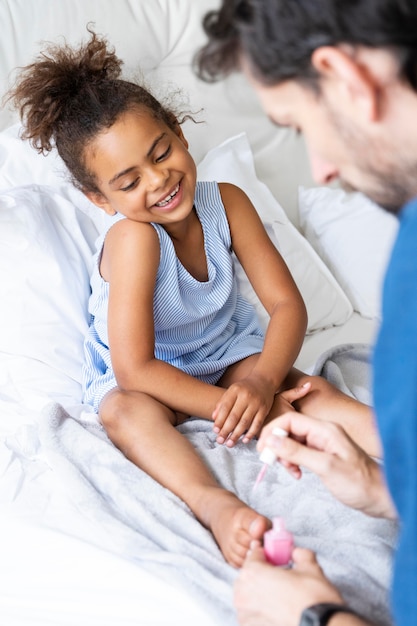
column 291, row 395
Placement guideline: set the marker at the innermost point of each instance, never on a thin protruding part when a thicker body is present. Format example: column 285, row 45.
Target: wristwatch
column 319, row 614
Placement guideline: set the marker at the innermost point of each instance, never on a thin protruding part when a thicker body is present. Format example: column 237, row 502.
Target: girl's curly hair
column 69, row 95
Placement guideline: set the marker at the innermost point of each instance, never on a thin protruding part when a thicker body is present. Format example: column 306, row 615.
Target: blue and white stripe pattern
column 200, row 327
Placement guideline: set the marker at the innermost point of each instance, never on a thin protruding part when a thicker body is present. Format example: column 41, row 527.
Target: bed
column 86, row 537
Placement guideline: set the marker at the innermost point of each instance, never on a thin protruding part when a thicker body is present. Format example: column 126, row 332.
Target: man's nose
column 322, row 171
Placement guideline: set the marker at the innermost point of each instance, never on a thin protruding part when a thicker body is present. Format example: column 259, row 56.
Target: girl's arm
column 279, row 294
column 129, row 264
column 272, row 282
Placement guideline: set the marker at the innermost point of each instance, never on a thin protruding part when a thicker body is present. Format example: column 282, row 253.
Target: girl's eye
column 130, row 186
column 164, row 155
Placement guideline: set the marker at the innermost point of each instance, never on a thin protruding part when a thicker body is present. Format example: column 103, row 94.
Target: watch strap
column 320, row 614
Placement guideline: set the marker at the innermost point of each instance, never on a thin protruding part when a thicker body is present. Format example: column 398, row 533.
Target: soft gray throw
column 113, row 504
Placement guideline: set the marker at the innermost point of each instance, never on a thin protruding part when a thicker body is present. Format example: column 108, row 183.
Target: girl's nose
column 157, row 177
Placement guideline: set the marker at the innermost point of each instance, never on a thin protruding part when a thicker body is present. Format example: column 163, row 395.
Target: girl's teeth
column 168, row 198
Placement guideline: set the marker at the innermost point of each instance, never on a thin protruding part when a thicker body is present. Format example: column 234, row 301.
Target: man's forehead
column 283, row 100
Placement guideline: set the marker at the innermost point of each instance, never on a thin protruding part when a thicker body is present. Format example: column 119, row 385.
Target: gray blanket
column 118, row 507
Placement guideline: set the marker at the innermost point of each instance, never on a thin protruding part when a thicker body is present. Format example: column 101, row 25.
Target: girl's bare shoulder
column 130, row 244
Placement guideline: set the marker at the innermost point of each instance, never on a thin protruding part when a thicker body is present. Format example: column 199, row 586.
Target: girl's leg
column 329, row 403
column 144, row 430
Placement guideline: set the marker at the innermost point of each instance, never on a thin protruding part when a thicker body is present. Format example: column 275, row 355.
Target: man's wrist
column 380, row 495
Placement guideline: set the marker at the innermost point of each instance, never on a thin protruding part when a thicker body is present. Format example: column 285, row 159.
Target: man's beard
column 389, row 196
column 389, row 179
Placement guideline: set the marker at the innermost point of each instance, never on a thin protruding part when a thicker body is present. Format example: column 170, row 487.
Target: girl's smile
column 172, row 200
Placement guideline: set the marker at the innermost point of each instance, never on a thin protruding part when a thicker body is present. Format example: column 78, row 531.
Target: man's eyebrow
column 129, row 169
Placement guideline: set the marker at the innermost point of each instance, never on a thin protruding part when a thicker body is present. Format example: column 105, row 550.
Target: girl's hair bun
column 50, row 90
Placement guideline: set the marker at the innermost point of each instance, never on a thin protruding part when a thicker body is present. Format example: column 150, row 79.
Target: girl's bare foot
column 233, row 524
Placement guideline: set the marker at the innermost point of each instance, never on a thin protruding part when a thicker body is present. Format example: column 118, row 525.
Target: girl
column 170, row 337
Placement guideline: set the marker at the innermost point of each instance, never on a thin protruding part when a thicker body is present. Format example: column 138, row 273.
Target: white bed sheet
column 49, row 578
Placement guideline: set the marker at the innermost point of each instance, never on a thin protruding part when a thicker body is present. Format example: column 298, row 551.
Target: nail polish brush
column 268, row 456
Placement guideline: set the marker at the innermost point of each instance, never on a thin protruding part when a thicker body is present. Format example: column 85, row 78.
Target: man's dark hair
column 277, row 37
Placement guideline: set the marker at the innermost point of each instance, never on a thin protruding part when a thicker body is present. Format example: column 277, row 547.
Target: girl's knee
column 320, row 392
column 120, row 409
column 320, row 384
column 112, row 407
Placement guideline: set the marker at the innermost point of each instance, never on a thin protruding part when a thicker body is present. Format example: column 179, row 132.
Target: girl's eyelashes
column 131, row 185
column 158, row 159
column 164, row 155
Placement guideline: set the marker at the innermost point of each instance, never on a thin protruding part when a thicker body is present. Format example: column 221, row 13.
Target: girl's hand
column 242, row 409
column 226, row 412
column 283, row 401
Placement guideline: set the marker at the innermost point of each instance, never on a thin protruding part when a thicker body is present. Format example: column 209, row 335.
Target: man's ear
column 354, row 80
column 100, row 201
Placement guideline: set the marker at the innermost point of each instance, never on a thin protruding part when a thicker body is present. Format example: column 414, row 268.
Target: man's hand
column 273, row 596
column 324, row 448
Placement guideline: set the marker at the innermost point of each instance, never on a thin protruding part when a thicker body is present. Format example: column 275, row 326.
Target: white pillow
column 21, row 165
column 354, row 237
column 326, row 303
column 46, row 247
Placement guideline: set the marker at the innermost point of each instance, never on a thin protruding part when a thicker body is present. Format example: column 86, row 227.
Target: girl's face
column 143, row 170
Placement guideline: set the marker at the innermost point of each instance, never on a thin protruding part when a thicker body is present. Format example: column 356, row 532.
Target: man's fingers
column 297, row 454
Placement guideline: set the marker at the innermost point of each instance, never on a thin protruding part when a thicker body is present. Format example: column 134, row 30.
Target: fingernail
column 273, row 441
column 220, row 439
column 279, row 432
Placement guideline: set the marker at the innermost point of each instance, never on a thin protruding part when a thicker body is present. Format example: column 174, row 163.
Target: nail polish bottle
column 278, row 543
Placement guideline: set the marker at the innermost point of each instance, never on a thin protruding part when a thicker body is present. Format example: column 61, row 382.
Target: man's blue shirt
column 395, row 400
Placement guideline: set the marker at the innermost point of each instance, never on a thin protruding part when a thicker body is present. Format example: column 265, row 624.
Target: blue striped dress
column 200, row 327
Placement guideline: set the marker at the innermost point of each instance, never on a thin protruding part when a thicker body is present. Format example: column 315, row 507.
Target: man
column 344, row 73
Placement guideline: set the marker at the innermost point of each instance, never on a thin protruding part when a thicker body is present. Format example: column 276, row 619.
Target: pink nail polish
column 278, row 543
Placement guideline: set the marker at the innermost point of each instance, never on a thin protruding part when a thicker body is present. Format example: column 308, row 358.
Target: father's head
column 343, row 72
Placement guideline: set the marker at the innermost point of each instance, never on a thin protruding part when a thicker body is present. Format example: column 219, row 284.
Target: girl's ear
column 178, row 130
column 100, row 201
column 180, row 134
column 355, row 83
